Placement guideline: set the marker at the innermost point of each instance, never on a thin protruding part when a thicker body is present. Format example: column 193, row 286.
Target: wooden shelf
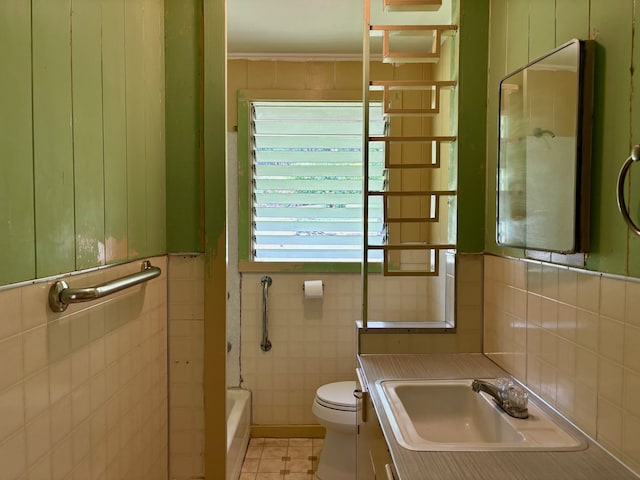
column 412, row 5
column 428, row 269
column 427, row 53
column 432, row 88
column 435, row 141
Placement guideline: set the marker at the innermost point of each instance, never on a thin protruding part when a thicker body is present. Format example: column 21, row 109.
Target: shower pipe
column 622, row 206
column 60, row 295
column 266, row 343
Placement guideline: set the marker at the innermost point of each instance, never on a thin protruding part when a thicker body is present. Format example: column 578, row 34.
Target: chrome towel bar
column 60, row 295
column 622, row 206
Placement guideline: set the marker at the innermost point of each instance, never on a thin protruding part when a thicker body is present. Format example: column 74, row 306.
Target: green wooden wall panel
column 542, row 31
column 136, row 129
column 183, row 124
column 572, row 20
column 473, row 38
column 611, row 131
column 215, row 119
column 613, row 250
column 517, row 34
column 83, row 151
column 155, row 127
column 496, row 71
column 87, row 133
column 17, row 239
column 53, row 138
column 115, row 130
column 633, row 198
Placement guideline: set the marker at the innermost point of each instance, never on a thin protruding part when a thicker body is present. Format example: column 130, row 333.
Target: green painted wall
column 520, row 31
column 472, row 75
column 183, row 51
column 81, row 134
column 215, row 195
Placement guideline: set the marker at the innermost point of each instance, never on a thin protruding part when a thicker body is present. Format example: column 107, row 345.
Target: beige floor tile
column 281, row 459
column 269, row 451
column 298, row 466
column 276, row 442
column 269, row 476
column 250, row 465
column 317, row 446
column 300, row 452
column 254, row 451
column 270, row 465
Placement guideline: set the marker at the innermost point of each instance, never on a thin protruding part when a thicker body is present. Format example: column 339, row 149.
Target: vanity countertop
column 593, row 463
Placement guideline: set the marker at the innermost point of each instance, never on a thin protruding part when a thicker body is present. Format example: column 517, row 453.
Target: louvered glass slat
column 307, row 181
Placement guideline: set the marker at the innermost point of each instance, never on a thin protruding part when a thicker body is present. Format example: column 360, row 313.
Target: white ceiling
column 309, row 28
column 295, row 27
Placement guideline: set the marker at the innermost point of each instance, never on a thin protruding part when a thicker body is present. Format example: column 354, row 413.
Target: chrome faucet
column 510, row 397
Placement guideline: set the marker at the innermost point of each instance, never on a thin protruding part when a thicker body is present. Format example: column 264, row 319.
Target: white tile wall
column 572, row 337
column 186, row 364
column 83, row 393
column 314, row 341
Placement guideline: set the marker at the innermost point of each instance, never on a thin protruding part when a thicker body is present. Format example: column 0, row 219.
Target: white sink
column 447, row 415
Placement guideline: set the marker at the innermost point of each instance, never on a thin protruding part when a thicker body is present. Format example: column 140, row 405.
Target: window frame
column 245, row 261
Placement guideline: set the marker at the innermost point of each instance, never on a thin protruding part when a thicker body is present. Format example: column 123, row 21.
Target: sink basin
column 439, row 415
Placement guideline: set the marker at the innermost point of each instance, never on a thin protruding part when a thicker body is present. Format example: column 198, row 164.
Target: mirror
column 544, row 152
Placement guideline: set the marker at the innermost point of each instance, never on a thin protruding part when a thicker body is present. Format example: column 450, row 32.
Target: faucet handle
column 504, row 383
column 518, row 398
column 513, row 394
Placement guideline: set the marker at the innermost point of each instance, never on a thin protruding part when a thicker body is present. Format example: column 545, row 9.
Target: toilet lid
column 338, row 393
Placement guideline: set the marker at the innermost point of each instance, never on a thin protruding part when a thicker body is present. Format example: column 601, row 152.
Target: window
column 306, row 189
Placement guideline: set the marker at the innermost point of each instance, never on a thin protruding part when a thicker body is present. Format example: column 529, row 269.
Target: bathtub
column 238, row 422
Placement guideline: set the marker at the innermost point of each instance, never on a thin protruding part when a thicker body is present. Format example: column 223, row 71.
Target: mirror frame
column 582, row 155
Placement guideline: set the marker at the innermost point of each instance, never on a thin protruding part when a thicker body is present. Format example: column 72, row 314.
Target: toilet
column 335, row 409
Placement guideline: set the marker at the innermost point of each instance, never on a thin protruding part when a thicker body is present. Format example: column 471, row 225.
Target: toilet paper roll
column 313, row 289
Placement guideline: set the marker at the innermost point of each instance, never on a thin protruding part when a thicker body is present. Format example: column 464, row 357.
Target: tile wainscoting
column 83, row 393
column 572, row 336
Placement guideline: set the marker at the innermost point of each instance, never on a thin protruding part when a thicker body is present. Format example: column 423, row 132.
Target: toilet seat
column 337, row 396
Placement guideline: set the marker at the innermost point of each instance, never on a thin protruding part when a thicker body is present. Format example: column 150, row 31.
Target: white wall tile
column 34, row 343
column 38, row 435
column 10, row 306
column 581, row 347
column 11, row 361
column 12, row 408
column 612, row 298
column 36, row 389
column 13, row 456
column 53, row 384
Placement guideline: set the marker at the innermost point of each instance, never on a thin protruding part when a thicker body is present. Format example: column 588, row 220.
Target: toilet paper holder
column 313, row 288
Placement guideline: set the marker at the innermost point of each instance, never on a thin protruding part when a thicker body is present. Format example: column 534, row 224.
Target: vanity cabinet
column 373, row 458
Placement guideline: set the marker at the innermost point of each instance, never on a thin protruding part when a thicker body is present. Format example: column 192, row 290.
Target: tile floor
column 281, row 459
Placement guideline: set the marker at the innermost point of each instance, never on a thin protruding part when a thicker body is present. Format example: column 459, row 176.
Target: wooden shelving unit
column 412, row 200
